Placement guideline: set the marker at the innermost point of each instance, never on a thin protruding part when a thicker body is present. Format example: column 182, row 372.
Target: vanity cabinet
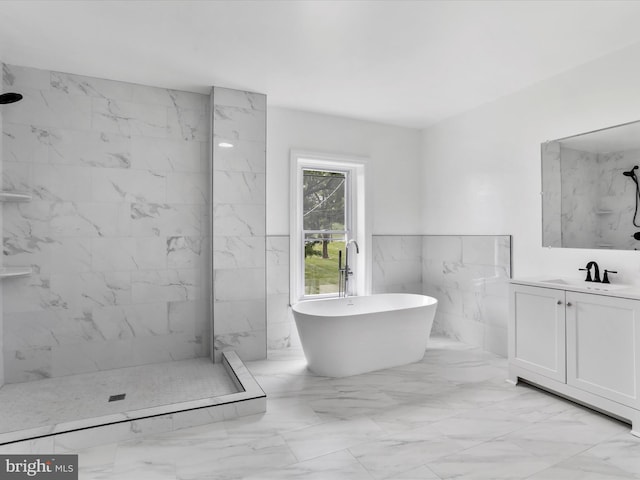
column 603, row 338
column 539, row 331
column 585, row 346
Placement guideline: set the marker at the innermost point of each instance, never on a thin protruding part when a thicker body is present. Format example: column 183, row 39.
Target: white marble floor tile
column 567, row 433
column 330, row 437
column 411, row 416
column 282, row 416
column 419, row 473
column 491, row 461
column 618, row 456
column 396, row 453
column 235, row 460
column 335, row 466
column 450, row 415
column 560, row 473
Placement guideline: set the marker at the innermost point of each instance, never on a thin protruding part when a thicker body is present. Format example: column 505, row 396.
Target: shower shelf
column 603, row 212
column 6, row 196
column 9, row 272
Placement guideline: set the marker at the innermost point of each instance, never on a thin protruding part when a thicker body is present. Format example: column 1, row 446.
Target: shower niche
column 9, row 272
column 7, row 196
column 590, row 192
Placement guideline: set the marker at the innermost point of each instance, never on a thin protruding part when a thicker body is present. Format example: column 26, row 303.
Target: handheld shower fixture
column 10, row 97
column 632, row 174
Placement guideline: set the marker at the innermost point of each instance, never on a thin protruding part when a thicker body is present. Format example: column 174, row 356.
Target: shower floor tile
column 58, row 400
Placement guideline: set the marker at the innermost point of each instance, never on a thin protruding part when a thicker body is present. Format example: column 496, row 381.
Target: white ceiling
column 408, row 63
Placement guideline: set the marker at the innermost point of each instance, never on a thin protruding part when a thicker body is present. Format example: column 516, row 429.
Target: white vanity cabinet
column 603, row 338
column 539, row 331
column 585, row 346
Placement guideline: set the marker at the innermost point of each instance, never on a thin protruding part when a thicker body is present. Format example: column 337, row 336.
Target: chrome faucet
column 596, row 276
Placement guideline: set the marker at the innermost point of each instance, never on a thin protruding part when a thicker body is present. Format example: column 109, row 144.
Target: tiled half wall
column 468, row 274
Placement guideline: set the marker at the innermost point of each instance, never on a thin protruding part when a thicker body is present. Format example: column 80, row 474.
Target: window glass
column 323, row 200
column 324, row 229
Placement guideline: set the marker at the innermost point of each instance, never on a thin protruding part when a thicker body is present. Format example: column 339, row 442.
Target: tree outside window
column 325, row 228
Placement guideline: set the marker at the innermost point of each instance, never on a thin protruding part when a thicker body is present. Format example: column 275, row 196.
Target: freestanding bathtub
column 348, row 336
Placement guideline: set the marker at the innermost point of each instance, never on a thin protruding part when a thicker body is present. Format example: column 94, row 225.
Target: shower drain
column 115, row 398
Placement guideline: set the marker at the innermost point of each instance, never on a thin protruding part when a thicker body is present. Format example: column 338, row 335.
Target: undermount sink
column 557, row 281
column 603, row 287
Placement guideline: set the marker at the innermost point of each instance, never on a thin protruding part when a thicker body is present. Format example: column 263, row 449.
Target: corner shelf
column 6, row 196
column 603, row 212
column 12, row 272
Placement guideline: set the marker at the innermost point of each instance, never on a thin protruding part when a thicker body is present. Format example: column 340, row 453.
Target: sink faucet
column 596, row 273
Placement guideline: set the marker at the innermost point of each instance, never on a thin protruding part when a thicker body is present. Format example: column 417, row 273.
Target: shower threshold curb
column 85, row 433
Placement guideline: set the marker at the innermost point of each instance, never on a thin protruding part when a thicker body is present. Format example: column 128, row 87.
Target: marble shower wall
column 580, row 197
column 239, row 223
column 588, row 202
column 117, row 231
column 1, row 301
column 615, row 207
column 469, row 275
column 552, row 195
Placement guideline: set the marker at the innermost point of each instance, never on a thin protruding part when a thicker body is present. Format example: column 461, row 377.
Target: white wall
column 482, row 168
column 394, row 154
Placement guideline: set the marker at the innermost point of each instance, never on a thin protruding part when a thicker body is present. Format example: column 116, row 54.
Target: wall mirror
column 590, row 189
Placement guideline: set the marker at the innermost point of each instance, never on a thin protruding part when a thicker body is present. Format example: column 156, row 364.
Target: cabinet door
column 603, row 336
column 537, row 330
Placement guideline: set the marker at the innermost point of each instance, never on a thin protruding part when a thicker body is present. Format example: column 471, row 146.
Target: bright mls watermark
column 52, row 467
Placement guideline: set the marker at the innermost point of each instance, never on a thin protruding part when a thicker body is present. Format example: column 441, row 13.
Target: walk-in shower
column 106, row 220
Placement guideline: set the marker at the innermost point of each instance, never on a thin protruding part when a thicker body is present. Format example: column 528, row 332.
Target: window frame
column 358, row 218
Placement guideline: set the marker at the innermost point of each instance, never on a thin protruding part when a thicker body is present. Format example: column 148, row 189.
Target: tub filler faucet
column 345, row 271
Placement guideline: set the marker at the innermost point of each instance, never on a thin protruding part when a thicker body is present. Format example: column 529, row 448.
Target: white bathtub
column 348, row 336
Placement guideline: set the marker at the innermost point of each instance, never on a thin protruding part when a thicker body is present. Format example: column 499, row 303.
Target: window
column 325, row 228
column 327, row 211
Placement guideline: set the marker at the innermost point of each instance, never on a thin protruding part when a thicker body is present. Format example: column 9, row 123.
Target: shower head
column 630, row 173
column 10, row 98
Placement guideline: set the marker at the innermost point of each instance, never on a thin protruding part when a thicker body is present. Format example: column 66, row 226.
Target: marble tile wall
column 615, row 206
column 239, row 223
column 469, row 276
column 580, row 197
column 281, row 329
column 117, row 232
column 397, row 264
column 587, row 202
column 551, row 195
column 1, row 301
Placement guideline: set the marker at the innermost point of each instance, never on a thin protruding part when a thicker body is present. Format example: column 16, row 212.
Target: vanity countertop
column 576, row 285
